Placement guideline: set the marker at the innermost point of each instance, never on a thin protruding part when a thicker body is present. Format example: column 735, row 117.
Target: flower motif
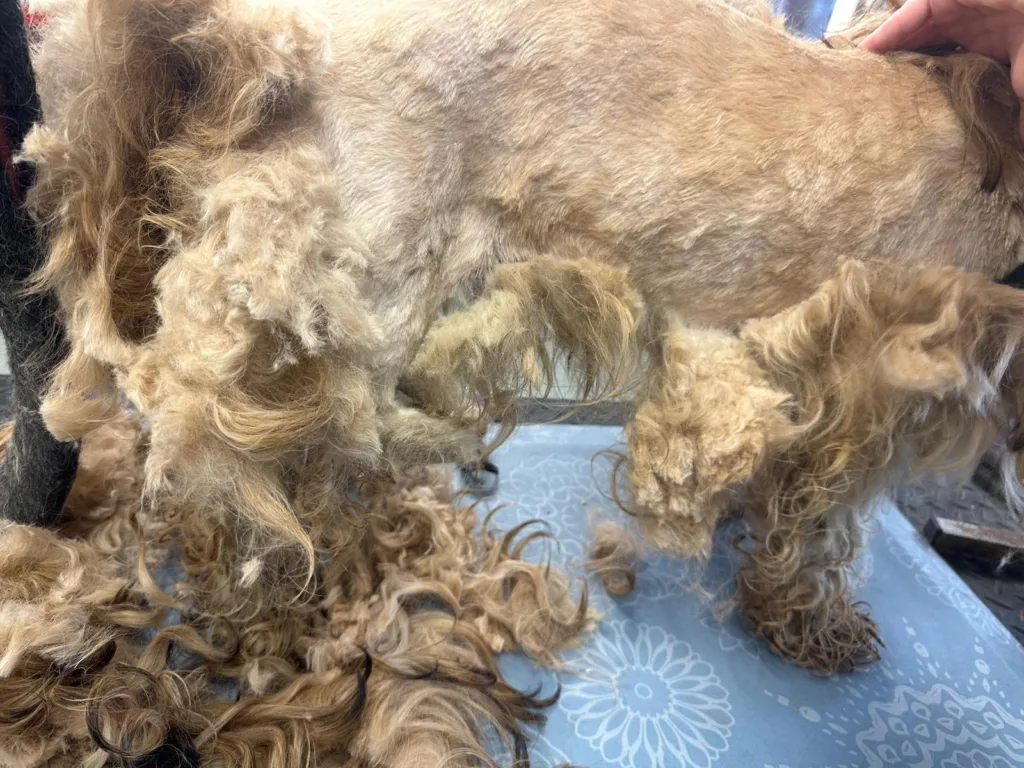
column 644, row 699
column 917, row 726
column 975, row 759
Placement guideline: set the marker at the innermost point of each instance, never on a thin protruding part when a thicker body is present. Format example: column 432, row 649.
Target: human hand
column 993, row 28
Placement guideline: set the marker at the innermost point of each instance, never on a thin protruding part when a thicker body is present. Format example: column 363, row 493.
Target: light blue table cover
column 663, row 683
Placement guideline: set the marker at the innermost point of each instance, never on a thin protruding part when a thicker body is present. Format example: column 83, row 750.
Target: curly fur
column 254, row 245
column 62, row 609
column 883, row 375
column 709, row 419
column 613, row 557
column 389, row 659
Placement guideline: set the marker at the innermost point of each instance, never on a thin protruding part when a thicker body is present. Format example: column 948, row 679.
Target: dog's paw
column 839, row 640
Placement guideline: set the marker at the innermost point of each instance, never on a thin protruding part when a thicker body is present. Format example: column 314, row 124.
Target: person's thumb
column 902, row 30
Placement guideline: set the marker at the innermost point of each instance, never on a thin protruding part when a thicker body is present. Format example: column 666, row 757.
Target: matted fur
column 923, row 369
column 390, row 659
column 62, row 609
column 709, row 418
column 890, row 374
column 478, row 360
column 254, row 244
column 613, row 556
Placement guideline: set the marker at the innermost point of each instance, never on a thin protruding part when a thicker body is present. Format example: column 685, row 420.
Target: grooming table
column 663, row 683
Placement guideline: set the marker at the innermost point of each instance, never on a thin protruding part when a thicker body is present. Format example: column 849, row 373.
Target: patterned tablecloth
column 663, row 683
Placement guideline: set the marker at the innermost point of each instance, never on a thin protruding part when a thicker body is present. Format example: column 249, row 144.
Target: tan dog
column 258, row 207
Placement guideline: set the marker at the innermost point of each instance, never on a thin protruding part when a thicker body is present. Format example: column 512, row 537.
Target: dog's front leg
column 709, row 420
column 794, row 590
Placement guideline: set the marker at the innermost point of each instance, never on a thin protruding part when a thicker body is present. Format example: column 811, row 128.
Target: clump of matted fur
column 890, row 373
column 63, row 608
column 478, row 360
column 424, row 594
column 210, row 272
column 706, row 422
column 389, row 660
column 613, row 557
column 252, row 371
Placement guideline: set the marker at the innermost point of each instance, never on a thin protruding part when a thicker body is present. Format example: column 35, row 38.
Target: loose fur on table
column 254, row 242
column 613, row 557
column 802, row 421
column 389, row 661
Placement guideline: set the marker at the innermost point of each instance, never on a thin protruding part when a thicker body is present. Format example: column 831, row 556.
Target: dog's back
column 731, row 166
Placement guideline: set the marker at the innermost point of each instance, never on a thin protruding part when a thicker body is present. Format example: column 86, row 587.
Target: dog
column 254, row 245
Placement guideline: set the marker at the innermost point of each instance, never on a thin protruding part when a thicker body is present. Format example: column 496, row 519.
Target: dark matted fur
column 37, row 472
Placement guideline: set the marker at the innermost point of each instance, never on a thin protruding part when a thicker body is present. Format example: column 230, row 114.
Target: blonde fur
column 883, row 375
column 707, row 422
column 390, row 660
column 613, row 557
column 254, row 243
column 62, row 610
column 477, row 360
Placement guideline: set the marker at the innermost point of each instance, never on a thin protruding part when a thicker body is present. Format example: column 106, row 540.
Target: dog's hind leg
column 794, row 590
column 36, row 470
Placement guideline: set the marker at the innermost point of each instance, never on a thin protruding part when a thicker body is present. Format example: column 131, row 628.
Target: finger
column 900, row 27
column 927, row 36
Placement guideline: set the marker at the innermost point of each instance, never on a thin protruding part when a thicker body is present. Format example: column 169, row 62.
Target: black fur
column 38, row 471
column 1014, row 278
column 177, row 750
